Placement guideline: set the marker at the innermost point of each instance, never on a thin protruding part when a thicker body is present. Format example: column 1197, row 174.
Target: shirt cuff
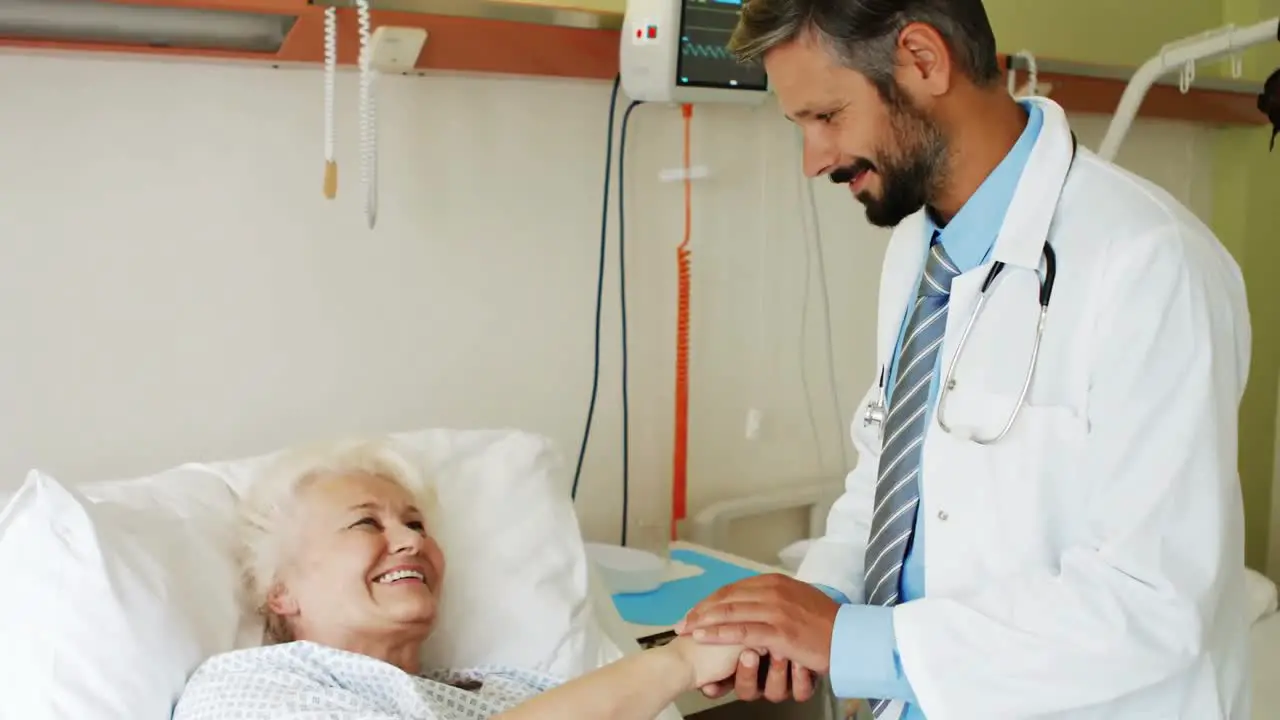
column 834, row 594
column 864, row 655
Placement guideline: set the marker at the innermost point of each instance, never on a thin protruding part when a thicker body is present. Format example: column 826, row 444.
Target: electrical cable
column 684, row 263
column 330, row 80
column 368, row 114
column 807, row 196
column 826, row 314
column 622, row 295
column 622, row 291
column 604, row 236
column 766, row 202
column 804, row 327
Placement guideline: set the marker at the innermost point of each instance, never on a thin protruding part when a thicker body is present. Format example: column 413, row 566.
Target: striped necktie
column 897, row 487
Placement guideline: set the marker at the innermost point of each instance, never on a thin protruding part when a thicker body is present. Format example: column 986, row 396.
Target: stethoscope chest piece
column 875, row 415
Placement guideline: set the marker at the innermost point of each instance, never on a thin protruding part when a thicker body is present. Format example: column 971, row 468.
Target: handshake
column 767, row 636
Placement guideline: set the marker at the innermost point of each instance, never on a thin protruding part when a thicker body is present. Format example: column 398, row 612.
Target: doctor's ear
column 924, row 63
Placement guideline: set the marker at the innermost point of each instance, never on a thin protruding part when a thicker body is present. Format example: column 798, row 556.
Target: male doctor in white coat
column 1087, row 564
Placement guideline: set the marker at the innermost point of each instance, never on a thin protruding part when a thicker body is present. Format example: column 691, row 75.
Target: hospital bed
column 115, row 591
column 712, row 527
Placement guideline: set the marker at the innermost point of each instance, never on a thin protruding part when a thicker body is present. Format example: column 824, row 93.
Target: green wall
column 1107, row 32
column 1246, row 215
column 1246, row 203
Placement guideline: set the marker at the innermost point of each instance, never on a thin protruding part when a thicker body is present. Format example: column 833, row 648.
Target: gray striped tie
column 897, row 489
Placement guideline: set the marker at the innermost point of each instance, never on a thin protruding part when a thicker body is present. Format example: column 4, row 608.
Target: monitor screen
column 705, row 28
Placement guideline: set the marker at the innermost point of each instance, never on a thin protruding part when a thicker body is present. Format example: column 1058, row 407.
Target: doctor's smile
column 1025, row 543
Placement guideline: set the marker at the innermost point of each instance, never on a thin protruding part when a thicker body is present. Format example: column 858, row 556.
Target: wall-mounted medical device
column 675, row 51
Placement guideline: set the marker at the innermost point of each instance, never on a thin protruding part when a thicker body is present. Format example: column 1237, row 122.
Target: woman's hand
column 707, row 664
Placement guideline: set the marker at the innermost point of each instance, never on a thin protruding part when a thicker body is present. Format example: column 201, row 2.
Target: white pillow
column 101, row 611
column 516, row 589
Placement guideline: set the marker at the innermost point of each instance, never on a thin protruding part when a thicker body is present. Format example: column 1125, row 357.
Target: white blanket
column 305, row 681
column 1260, row 595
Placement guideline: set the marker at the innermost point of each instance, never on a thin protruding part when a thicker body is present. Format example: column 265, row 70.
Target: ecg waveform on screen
column 703, row 50
column 705, row 29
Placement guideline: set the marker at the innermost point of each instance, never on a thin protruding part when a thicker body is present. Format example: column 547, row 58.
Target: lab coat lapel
column 903, row 263
column 1031, row 211
column 965, row 288
column 1022, row 234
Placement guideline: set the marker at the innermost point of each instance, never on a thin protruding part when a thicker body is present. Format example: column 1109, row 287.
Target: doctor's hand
column 788, row 619
column 781, row 681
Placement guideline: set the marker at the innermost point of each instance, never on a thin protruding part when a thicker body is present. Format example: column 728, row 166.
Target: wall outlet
column 754, row 419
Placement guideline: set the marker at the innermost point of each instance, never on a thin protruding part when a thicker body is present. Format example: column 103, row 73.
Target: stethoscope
column 877, row 412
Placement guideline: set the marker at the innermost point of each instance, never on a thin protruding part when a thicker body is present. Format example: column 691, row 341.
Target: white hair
column 265, row 505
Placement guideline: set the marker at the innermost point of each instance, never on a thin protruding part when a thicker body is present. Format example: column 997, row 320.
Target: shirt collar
column 970, row 235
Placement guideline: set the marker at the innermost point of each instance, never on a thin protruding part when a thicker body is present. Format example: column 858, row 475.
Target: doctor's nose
column 818, row 158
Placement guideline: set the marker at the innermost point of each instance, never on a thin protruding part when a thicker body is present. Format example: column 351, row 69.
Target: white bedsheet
column 1260, row 596
column 1265, row 641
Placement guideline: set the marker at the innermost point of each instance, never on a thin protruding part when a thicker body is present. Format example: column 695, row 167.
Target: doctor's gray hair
column 863, row 34
column 267, row 505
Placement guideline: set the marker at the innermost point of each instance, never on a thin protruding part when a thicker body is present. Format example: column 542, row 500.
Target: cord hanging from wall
column 384, row 49
column 1033, row 86
column 368, row 115
column 330, row 82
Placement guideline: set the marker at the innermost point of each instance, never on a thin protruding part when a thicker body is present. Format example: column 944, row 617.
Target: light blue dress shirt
column 864, row 653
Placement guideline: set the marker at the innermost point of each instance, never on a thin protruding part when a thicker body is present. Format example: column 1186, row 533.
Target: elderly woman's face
column 359, row 562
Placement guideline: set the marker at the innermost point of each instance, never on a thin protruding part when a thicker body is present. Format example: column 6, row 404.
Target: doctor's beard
column 912, row 170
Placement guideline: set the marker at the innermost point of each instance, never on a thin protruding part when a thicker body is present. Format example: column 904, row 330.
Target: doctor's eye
column 828, row 116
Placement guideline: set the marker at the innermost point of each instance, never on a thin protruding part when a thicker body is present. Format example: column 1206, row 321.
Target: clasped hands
column 775, row 615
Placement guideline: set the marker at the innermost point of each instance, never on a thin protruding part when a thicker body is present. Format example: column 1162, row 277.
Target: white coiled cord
column 1033, row 80
column 368, row 115
column 330, row 79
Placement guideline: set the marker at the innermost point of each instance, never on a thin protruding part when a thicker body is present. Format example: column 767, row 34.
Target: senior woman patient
column 340, row 560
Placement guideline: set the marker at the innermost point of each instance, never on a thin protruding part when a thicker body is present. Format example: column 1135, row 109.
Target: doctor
column 1039, row 524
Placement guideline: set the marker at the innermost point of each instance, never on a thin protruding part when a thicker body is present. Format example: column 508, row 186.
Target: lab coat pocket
column 1025, row 483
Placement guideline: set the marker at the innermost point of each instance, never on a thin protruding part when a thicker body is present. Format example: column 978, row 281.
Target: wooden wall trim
column 462, row 44
column 474, row 45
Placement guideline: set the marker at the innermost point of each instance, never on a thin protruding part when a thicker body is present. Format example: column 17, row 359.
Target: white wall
column 175, row 287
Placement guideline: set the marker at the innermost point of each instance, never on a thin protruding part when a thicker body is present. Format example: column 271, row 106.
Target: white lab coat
column 1090, row 565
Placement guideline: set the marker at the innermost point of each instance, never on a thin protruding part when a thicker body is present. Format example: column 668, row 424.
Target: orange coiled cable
column 680, row 459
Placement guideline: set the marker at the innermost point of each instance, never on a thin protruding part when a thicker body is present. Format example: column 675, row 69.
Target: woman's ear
column 281, row 602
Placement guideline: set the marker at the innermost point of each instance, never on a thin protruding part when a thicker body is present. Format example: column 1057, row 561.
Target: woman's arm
column 637, row 687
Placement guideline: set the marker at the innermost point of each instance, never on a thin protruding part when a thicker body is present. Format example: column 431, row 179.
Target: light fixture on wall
column 93, row 21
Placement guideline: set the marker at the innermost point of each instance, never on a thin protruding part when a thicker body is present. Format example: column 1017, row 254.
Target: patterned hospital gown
column 306, row 681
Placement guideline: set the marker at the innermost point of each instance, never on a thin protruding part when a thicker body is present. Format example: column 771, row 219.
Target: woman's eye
column 371, row 522
column 417, row 526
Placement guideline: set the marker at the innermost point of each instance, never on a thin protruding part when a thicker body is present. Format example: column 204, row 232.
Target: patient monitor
column 675, row 51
